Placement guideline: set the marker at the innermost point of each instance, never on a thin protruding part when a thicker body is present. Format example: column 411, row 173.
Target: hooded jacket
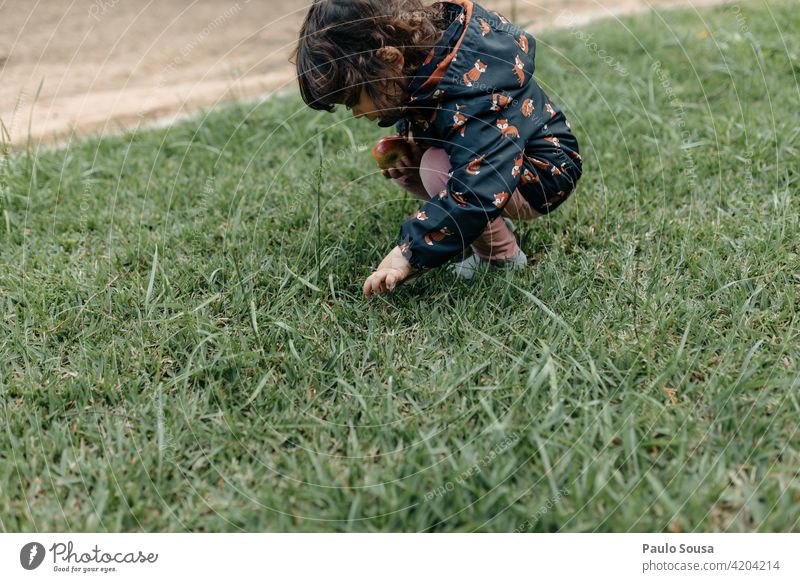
column 475, row 97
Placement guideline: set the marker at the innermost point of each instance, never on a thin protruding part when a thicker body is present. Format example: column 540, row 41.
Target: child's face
column 365, row 107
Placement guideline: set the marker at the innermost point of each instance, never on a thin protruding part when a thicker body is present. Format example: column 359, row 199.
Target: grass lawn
column 184, row 346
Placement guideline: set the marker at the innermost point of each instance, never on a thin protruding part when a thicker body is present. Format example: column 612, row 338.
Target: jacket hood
column 425, row 84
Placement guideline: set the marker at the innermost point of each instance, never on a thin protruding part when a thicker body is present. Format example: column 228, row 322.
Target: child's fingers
column 391, row 281
column 374, row 284
column 367, row 289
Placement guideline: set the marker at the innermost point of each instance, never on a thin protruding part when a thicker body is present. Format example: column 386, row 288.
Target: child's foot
column 467, row 268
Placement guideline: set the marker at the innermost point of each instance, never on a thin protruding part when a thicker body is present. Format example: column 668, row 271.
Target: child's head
column 360, row 53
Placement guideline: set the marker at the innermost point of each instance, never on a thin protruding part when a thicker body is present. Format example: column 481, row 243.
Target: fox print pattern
column 474, row 167
column 500, row 17
column 436, row 236
column 528, row 177
column 554, row 141
column 459, row 198
column 500, row 199
column 517, row 166
column 500, row 101
column 460, row 121
column 522, row 43
column 538, row 163
column 519, row 70
column 506, row 129
column 527, row 107
column 474, row 74
column 496, row 127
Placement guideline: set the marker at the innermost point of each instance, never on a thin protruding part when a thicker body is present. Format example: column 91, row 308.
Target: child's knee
column 434, row 169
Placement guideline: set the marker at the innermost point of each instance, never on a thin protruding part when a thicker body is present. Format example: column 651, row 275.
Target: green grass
column 184, row 347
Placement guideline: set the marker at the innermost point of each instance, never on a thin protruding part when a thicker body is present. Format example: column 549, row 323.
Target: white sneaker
column 467, row 268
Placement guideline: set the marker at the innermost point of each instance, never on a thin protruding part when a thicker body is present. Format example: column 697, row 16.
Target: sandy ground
column 94, row 66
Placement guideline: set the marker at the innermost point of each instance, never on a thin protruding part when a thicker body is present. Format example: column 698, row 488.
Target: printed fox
column 506, row 129
column 459, row 198
column 502, row 18
column 499, row 101
column 517, row 166
column 554, row 199
column 523, row 43
column 554, row 141
column 500, row 199
column 474, row 74
column 474, row 167
column 527, row 107
column 528, row 177
column 538, row 163
column 460, row 121
column 550, row 110
column 485, row 30
column 421, row 215
column 436, row 236
column 519, row 70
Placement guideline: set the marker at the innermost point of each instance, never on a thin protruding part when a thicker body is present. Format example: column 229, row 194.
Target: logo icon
column 31, row 555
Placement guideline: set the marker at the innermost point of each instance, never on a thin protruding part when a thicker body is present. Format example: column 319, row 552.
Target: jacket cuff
column 404, row 242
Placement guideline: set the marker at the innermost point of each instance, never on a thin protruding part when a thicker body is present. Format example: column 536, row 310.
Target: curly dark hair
column 340, row 50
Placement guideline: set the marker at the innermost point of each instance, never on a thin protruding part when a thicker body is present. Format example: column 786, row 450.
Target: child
column 486, row 142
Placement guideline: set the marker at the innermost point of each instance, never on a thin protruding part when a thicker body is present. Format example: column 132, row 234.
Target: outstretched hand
column 394, row 269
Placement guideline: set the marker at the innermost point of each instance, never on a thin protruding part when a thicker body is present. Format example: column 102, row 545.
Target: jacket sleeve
column 486, row 154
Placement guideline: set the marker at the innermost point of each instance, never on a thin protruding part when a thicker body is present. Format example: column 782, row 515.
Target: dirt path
column 99, row 65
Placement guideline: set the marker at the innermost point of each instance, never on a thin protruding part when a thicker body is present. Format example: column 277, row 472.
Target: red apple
column 388, row 151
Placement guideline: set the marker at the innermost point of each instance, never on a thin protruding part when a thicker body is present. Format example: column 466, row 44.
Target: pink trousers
column 496, row 241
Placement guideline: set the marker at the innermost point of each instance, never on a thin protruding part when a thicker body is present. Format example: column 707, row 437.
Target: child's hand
column 407, row 166
column 393, row 270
